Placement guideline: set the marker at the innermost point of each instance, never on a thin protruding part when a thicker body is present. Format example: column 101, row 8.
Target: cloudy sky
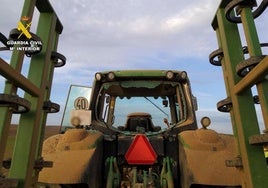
column 135, row 34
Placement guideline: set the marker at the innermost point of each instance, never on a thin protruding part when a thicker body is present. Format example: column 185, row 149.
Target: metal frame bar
column 254, row 76
column 37, row 86
column 18, row 79
column 243, row 113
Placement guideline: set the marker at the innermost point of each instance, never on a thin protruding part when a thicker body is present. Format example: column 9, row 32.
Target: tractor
column 138, row 128
column 141, row 131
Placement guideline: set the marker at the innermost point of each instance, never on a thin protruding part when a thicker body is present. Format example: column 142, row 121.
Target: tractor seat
column 140, row 119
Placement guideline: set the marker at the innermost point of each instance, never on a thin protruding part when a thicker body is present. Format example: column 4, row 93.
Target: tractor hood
column 204, row 152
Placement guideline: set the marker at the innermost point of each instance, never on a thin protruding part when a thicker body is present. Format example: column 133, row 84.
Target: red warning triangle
column 140, row 151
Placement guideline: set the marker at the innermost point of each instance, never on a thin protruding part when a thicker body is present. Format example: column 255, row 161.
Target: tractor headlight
column 205, row 122
column 98, row 76
column 111, row 76
column 183, row 75
column 169, row 75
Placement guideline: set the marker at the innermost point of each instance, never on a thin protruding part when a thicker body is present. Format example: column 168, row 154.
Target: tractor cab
column 137, row 129
column 149, row 102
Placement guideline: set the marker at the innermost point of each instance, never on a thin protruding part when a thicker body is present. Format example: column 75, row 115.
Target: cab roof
column 171, row 75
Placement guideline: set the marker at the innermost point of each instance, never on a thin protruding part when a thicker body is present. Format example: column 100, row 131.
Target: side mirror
column 165, row 102
column 195, row 105
column 107, row 99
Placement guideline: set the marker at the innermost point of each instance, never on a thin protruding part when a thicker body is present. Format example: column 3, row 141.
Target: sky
column 103, row 35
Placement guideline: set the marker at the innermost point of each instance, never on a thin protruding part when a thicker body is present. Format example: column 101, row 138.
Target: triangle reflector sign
column 140, row 151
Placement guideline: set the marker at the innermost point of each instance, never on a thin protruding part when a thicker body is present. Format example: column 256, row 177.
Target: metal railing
column 240, row 75
column 41, row 47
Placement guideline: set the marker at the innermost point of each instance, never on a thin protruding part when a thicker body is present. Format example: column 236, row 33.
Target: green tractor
column 139, row 130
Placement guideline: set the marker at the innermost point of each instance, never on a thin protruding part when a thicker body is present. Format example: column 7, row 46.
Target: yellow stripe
column 24, row 30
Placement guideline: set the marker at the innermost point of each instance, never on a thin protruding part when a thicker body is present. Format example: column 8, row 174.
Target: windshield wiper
column 156, row 106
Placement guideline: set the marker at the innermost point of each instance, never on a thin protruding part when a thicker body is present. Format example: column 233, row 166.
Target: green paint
column 243, row 114
column 30, row 133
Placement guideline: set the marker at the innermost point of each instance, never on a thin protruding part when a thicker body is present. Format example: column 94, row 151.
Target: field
column 50, row 130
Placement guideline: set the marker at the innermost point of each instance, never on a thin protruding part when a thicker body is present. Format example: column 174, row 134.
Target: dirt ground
column 50, row 130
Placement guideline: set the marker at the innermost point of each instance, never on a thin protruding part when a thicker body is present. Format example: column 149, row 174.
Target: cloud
column 104, row 35
column 135, row 34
